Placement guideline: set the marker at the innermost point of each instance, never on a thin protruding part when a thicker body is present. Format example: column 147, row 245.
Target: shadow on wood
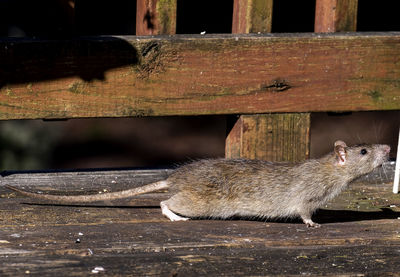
column 26, row 60
column 323, row 216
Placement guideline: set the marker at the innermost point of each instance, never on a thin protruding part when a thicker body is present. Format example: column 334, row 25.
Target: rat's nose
column 386, row 148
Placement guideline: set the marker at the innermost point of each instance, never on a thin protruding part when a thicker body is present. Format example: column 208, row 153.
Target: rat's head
column 360, row 159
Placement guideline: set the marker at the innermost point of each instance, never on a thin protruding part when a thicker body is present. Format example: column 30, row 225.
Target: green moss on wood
column 374, row 94
column 134, row 112
column 166, row 10
column 261, row 16
column 9, row 91
column 78, row 88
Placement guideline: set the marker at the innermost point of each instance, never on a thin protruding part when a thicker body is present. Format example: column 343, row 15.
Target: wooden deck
column 360, row 233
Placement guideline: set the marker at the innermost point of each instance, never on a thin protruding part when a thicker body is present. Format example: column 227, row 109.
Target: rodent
column 222, row 188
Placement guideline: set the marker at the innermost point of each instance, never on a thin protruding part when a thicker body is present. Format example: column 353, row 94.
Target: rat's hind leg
column 170, row 214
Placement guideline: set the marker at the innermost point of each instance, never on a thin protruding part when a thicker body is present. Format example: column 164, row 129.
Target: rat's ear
column 340, row 150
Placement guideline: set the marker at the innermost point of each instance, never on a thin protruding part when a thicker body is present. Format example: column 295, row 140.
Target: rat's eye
column 363, row 151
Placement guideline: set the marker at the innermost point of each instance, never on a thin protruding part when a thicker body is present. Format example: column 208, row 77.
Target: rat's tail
column 94, row 197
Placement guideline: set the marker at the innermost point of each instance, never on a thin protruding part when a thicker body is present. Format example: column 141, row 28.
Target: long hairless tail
column 94, row 197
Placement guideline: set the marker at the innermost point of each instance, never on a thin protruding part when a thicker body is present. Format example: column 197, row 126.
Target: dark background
column 149, row 142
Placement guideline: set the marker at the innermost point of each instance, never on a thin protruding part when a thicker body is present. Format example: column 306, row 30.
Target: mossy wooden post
column 252, row 16
column 155, row 17
column 273, row 137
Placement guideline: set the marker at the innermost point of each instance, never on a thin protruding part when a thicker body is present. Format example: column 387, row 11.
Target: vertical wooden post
column 335, row 15
column 155, row 17
column 252, row 16
column 273, row 137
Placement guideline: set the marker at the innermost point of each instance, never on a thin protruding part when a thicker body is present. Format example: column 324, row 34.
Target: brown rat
column 222, row 188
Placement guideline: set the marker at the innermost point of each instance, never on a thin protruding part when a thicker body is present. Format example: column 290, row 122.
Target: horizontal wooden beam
column 198, row 75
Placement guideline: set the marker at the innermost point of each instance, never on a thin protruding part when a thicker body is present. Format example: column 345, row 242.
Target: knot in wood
column 277, row 85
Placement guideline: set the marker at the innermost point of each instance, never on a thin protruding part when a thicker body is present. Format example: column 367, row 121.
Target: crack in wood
column 149, row 47
column 277, row 85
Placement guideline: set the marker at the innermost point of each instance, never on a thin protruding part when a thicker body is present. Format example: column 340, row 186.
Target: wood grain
column 335, row 15
column 252, row 16
column 272, row 137
column 199, row 75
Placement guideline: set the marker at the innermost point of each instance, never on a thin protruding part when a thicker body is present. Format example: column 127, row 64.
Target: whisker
column 384, row 171
column 359, row 138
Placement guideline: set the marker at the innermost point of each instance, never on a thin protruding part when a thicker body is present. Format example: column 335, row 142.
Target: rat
column 223, row 188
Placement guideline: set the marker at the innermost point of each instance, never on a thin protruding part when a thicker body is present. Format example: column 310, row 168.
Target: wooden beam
column 156, row 17
column 272, row 137
column 252, row 16
column 335, row 16
column 198, row 75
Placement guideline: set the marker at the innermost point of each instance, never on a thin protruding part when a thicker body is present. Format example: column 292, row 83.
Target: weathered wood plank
column 196, row 75
column 89, row 182
column 272, row 137
column 359, row 234
column 155, row 17
column 335, row 15
column 365, row 260
column 252, row 16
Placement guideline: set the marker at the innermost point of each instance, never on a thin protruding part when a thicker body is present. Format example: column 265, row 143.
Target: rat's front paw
column 311, row 223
